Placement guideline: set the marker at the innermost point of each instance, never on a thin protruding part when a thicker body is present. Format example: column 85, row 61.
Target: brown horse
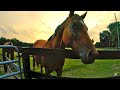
column 38, row 44
column 44, row 44
column 8, row 43
column 73, row 33
column 9, row 51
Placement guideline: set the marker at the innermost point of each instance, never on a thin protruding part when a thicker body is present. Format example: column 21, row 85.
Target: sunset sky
column 29, row 26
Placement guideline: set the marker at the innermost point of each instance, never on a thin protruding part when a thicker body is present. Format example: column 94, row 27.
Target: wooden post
column 5, row 66
column 26, row 65
column 12, row 54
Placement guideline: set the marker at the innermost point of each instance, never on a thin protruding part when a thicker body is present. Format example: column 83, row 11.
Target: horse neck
column 57, row 42
column 48, row 44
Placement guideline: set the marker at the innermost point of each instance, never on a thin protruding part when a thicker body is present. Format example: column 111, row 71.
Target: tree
column 15, row 42
column 2, row 40
column 98, row 44
column 105, row 38
column 113, row 27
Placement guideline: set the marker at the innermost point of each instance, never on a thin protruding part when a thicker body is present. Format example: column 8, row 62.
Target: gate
column 7, row 62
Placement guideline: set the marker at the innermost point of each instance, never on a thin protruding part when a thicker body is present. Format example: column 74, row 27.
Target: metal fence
column 7, row 62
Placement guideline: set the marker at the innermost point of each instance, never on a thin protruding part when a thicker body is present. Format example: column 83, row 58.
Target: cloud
column 11, row 29
column 29, row 26
column 7, row 30
column 98, row 22
column 2, row 30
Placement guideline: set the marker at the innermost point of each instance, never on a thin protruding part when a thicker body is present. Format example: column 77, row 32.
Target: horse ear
column 71, row 13
column 83, row 16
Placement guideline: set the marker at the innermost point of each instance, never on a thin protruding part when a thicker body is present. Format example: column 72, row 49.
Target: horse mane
column 50, row 37
column 59, row 27
column 55, row 33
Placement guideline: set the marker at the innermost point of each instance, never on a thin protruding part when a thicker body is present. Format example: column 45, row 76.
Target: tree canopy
column 109, row 38
column 15, row 42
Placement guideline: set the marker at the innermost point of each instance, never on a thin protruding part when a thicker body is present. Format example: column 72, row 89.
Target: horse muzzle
column 89, row 58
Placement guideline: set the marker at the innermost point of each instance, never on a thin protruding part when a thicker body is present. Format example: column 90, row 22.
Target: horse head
column 76, row 36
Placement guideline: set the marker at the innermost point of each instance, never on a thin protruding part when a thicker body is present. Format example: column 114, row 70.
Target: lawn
column 100, row 68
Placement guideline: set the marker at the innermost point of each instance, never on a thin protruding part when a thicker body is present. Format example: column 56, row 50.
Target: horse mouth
column 88, row 61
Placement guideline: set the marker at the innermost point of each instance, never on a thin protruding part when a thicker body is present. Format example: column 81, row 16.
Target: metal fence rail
column 6, row 62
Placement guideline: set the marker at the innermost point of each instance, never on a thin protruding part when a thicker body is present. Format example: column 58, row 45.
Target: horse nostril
column 91, row 54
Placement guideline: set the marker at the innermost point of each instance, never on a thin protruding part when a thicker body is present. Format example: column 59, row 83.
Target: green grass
column 1, row 70
column 99, row 69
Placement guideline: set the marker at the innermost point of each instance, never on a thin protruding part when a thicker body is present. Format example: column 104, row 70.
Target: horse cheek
column 75, row 45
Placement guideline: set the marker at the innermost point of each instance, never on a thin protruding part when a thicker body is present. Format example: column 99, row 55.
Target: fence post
column 12, row 54
column 26, row 65
column 3, row 56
